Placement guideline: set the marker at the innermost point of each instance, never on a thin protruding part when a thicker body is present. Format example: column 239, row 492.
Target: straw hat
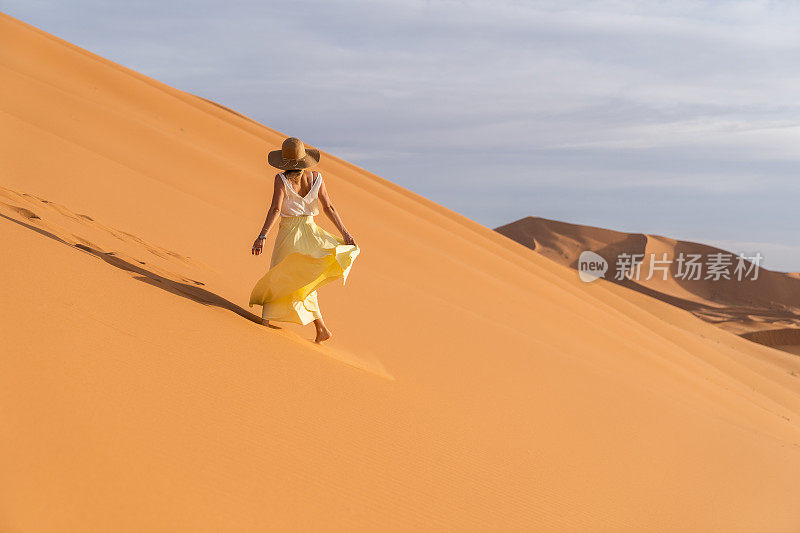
column 293, row 155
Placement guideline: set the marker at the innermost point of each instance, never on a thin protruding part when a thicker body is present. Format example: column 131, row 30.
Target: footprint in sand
column 25, row 213
column 48, row 218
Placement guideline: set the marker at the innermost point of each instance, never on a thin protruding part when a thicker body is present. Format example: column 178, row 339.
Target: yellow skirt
column 305, row 258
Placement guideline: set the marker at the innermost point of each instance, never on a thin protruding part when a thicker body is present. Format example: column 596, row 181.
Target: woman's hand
column 258, row 246
column 348, row 239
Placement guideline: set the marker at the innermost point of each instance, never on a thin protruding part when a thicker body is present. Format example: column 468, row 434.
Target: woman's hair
column 295, row 174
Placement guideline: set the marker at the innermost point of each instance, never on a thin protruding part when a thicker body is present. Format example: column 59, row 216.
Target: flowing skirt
column 305, row 258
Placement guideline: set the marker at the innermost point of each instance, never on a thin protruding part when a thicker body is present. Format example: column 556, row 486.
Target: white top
column 294, row 204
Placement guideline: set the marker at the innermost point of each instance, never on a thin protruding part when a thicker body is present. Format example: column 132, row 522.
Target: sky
column 673, row 118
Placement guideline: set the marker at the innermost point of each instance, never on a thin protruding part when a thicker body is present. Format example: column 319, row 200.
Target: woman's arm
column 272, row 214
column 332, row 214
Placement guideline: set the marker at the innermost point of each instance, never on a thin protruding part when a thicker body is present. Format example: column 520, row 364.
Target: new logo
column 591, row 266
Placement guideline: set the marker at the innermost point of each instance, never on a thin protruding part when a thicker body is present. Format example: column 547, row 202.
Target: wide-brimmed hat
column 293, row 155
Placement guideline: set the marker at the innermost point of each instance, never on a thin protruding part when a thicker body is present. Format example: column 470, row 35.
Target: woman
column 305, row 256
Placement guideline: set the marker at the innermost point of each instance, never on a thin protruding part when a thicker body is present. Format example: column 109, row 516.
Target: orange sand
column 471, row 383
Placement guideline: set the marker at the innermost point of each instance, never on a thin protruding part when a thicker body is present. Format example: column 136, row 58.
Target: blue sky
column 675, row 118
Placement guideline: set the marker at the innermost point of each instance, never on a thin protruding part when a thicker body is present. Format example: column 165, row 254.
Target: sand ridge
column 770, row 302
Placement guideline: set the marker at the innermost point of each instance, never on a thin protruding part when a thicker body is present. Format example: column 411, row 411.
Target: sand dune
column 769, row 302
column 471, row 383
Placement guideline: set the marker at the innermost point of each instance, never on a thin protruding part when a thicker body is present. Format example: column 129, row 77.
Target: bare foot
column 323, row 334
column 265, row 322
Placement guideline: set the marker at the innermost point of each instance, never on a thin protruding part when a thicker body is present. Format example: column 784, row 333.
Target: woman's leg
column 312, row 303
column 265, row 320
column 323, row 333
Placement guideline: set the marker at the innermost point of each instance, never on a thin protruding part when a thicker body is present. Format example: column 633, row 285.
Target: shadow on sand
column 186, row 290
column 202, row 296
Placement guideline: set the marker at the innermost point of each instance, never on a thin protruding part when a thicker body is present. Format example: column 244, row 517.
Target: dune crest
column 769, row 302
column 471, row 383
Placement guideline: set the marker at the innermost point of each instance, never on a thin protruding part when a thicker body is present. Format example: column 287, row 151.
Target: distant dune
column 471, row 384
column 771, row 301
